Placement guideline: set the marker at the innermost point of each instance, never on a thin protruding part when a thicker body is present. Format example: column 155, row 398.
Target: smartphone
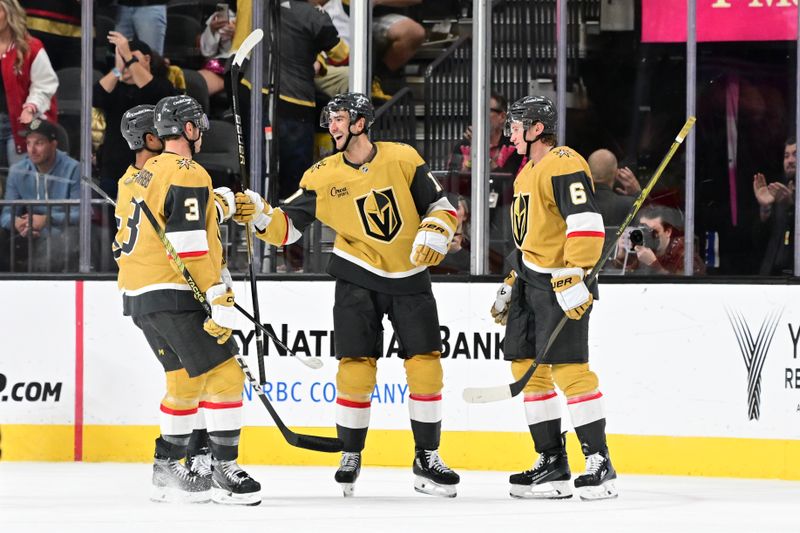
column 222, row 11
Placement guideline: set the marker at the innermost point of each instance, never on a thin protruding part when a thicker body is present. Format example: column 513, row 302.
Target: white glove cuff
column 261, row 221
column 433, row 240
column 215, row 290
column 230, row 199
column 222, row 315
column 574, row 296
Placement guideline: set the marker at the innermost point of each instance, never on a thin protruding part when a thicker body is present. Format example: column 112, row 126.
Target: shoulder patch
column 186, row 163
column 318, row 165
column 142, row 177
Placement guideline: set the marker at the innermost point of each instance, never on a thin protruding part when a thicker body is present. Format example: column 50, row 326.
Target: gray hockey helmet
column 532, row 109
column 173, row 112
column 136, row 122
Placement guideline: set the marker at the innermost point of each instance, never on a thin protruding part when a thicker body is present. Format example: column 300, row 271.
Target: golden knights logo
column 519, row 217
column 186, row 163
column 379, row 214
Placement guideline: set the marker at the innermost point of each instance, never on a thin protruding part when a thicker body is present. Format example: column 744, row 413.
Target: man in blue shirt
column 45, row 173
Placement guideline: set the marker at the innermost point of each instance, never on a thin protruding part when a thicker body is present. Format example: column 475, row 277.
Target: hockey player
column 139, row 132
column 559, row 234
column 392, row 221
column 200, row 369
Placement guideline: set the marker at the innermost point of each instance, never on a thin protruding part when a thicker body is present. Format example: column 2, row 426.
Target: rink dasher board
column 669, row 358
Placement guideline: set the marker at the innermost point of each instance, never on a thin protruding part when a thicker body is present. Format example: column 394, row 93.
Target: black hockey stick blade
column 298, row 440
column 504, row 392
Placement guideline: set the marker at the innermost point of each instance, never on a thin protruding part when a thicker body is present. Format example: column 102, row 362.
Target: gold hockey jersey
column 375, row 210
column 554, row 219
column 178, row 192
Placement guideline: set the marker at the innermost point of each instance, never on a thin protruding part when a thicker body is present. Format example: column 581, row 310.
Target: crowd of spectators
column 136, row 62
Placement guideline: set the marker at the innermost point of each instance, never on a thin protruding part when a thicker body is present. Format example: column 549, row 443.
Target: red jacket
column 35, row 84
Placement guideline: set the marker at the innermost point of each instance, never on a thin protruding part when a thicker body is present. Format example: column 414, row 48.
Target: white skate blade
column 606, row 491
column 176, row 495
column 226, row 497
column 427, row 486
column 348, row 489
column 552, row 490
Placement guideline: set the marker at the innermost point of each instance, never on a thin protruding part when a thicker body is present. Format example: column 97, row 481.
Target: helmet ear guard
column 135, row 124
column 173, row 112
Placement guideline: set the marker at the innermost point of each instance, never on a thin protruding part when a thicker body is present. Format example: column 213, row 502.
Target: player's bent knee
column 424, row 373
column 575, row 379
column 356, row 377
column 542, row 379
column 183, row 392
column 225, row 382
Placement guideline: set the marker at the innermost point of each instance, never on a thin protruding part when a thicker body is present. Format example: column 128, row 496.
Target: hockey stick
column 244, row 50
column 309, row 361
column 309, row 442
column 504, row 392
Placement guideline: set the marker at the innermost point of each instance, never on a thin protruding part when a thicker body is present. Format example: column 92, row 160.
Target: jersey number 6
column 577, row 193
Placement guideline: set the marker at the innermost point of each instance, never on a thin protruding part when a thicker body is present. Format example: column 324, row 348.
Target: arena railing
column 395, row 121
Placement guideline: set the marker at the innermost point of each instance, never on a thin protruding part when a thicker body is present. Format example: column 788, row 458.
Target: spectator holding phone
column 215, row 45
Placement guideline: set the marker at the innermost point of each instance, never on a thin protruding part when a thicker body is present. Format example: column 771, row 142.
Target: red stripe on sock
column 221, row 405
column 585, row 397
column 540, row 397
column 426, row 397
column 355, row 405
column 177, row 412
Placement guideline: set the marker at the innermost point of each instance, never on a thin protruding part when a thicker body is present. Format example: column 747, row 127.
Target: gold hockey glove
column 571, row 292
column 225, row 203
column 431, row 243
column 250, row 207
column 499, row 309
column 223, row 315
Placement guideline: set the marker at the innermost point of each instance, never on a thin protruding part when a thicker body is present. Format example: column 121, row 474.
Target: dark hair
column 670, row 218
column 502, row 101
column 158, row 67
column 548, row 139
column 790, row 141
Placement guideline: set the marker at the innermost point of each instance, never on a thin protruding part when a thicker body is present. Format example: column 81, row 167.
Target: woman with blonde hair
column 29, row 82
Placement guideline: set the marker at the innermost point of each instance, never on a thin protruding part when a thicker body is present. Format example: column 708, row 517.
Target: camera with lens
column 642, row 236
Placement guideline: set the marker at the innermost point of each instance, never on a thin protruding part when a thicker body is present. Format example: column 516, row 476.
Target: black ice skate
column 349, row 469
column 597, row 483
column 433, row 476
column 200, row 464
column 232, row 485
column 174, row 483
column 548, row 479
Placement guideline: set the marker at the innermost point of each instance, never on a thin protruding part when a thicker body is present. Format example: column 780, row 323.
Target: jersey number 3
column 133, row 225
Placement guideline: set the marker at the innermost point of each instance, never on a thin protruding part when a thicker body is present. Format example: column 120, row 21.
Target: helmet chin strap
column 350, row 136
column 530, row 143
column 191, row 141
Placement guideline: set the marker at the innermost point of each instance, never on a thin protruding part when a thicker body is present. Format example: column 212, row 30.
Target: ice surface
column 84, row 497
